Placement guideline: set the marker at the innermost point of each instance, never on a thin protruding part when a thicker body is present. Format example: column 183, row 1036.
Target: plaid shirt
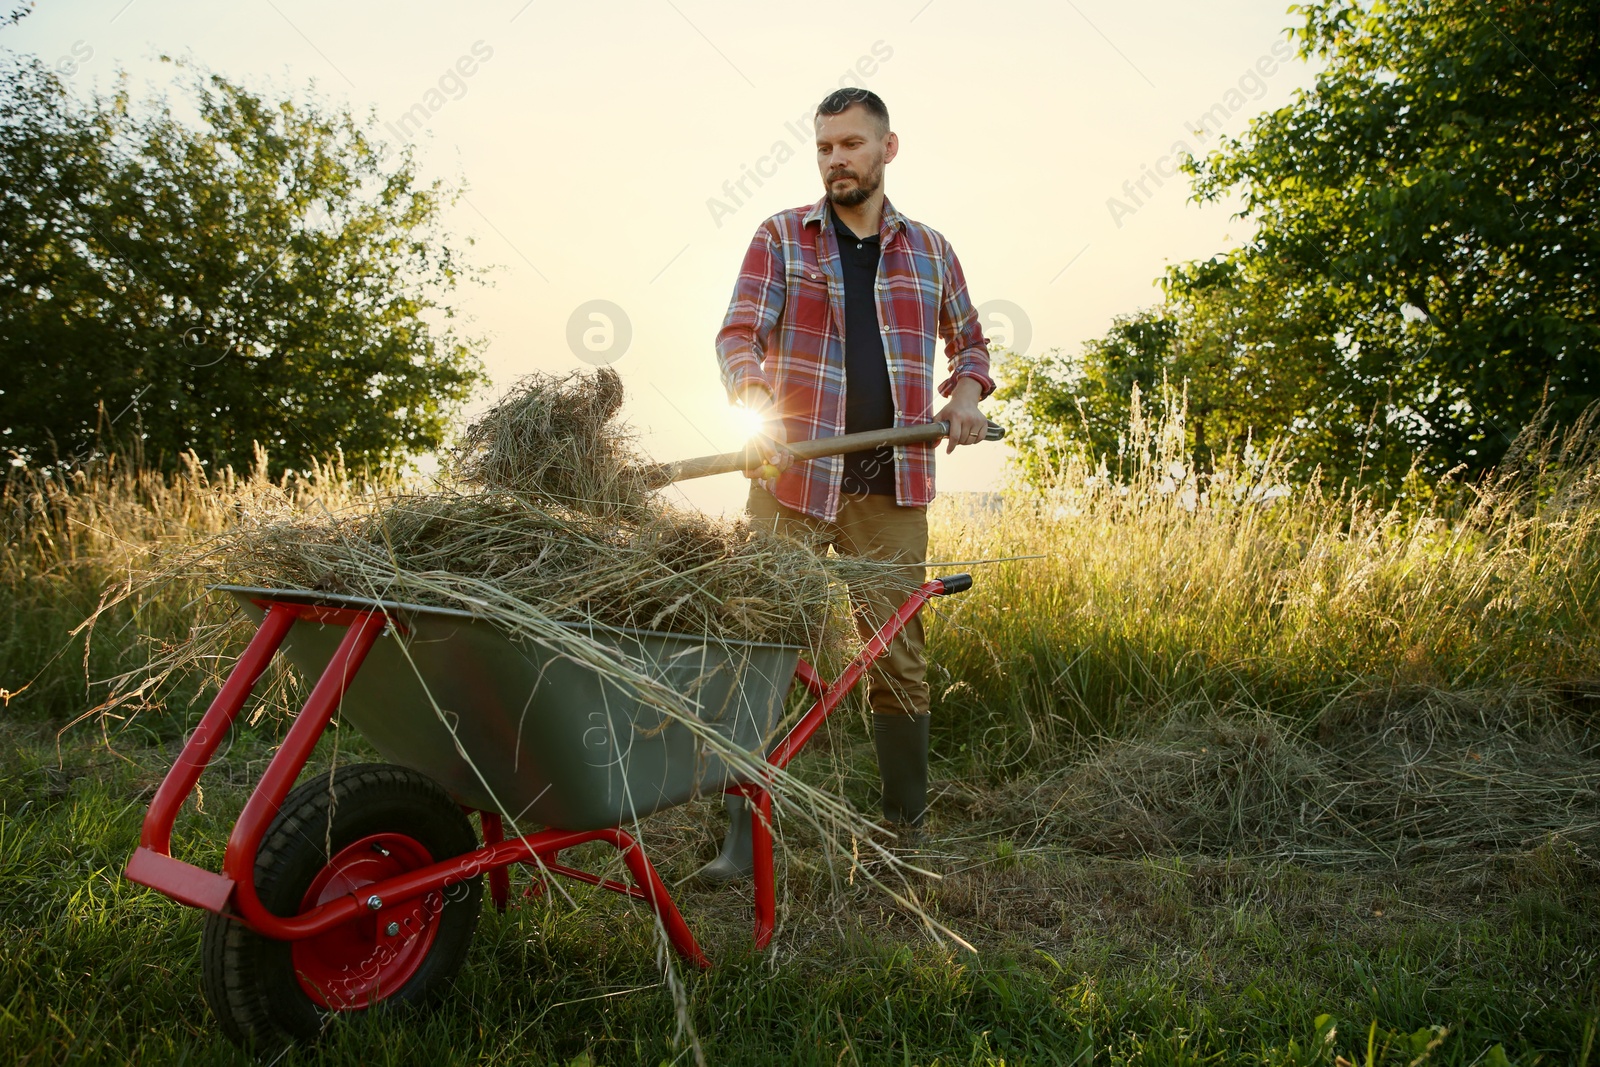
column 785, row 330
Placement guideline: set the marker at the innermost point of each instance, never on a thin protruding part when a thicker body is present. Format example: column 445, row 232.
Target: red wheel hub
column 367, row 959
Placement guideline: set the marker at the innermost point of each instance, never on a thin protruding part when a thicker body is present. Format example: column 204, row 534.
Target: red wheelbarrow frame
column 233, row 891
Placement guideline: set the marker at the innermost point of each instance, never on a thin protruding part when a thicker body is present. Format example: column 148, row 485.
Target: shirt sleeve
column 752, row 314
column 964, row 344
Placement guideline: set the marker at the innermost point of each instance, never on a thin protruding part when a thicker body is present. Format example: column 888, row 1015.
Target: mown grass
column 1230, row 775
column 1081, row 959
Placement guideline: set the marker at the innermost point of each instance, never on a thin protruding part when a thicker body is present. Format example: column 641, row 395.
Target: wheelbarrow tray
column 511, row 726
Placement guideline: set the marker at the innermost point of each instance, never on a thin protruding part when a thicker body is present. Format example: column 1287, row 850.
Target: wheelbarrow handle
column 750, row 457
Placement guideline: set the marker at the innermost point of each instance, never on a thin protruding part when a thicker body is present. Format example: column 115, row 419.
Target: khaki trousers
column 874, row 527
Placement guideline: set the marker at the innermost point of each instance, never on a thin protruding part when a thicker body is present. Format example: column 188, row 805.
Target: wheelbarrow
column 363, row 887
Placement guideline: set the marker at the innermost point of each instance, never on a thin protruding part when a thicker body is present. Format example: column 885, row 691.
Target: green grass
column 1219, row 782
column 1081, row 958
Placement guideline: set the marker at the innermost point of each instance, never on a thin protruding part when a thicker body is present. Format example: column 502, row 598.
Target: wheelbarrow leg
column 761, row 853
column 152, row 863
column 655, row 894
column 829, row 696
column 499, row 877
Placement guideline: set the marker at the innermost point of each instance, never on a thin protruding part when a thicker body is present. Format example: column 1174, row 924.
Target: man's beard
column 859, row 193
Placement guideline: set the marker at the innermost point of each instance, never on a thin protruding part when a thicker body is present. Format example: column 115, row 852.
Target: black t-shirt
column 868, row 402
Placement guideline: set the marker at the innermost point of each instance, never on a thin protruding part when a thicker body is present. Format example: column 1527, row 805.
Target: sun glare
column 748, row 420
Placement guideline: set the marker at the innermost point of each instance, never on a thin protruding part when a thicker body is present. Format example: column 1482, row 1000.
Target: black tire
column 253, row 984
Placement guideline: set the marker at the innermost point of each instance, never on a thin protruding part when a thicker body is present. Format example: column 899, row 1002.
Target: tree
column 1056, row 407
column 1242, row 370
column 1422, row 282
column 1430, row 209
column 262, row 275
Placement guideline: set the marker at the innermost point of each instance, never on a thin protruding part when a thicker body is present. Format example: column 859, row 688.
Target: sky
column 617, row 157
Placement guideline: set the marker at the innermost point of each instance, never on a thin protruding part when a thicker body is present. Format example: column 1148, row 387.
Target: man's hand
column 967, row 423
column 770, row 439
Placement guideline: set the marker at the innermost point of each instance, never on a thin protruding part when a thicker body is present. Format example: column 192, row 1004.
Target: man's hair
column 842, row 100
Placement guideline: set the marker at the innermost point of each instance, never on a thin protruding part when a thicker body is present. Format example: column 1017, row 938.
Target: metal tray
column 531, row 733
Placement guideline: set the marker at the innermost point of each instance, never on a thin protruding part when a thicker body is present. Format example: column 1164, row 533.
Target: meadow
column 1234, row 771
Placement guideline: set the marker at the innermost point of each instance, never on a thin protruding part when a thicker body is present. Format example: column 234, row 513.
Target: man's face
column 851, row 152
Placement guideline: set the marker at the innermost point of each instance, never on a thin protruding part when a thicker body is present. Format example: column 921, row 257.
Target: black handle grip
column 956, row 583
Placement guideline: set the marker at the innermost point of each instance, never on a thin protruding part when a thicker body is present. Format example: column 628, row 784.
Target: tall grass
column 74, row 538
column 1162, row 585
column 1158, row 585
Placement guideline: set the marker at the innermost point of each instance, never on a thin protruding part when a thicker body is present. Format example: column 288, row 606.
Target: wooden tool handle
column 748, row 458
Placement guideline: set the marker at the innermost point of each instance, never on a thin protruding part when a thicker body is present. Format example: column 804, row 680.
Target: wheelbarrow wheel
column 374, row 822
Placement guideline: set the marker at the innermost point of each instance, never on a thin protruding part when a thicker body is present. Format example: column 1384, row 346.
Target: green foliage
column 1056, row 408
column 1430, row 208
column 261, row 275
column 1219, row 348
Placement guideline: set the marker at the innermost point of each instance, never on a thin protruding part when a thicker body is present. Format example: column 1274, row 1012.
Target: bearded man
column 832, row 329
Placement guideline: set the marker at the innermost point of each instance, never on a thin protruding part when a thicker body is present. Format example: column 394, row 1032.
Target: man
column 832, row 329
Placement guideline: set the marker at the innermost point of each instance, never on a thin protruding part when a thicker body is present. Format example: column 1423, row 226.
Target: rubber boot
column 736, row 860
column 902, row 744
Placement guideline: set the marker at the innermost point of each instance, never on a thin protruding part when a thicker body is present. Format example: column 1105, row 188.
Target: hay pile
column 1441, row 778
column 557, row 440
column 545, row 504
